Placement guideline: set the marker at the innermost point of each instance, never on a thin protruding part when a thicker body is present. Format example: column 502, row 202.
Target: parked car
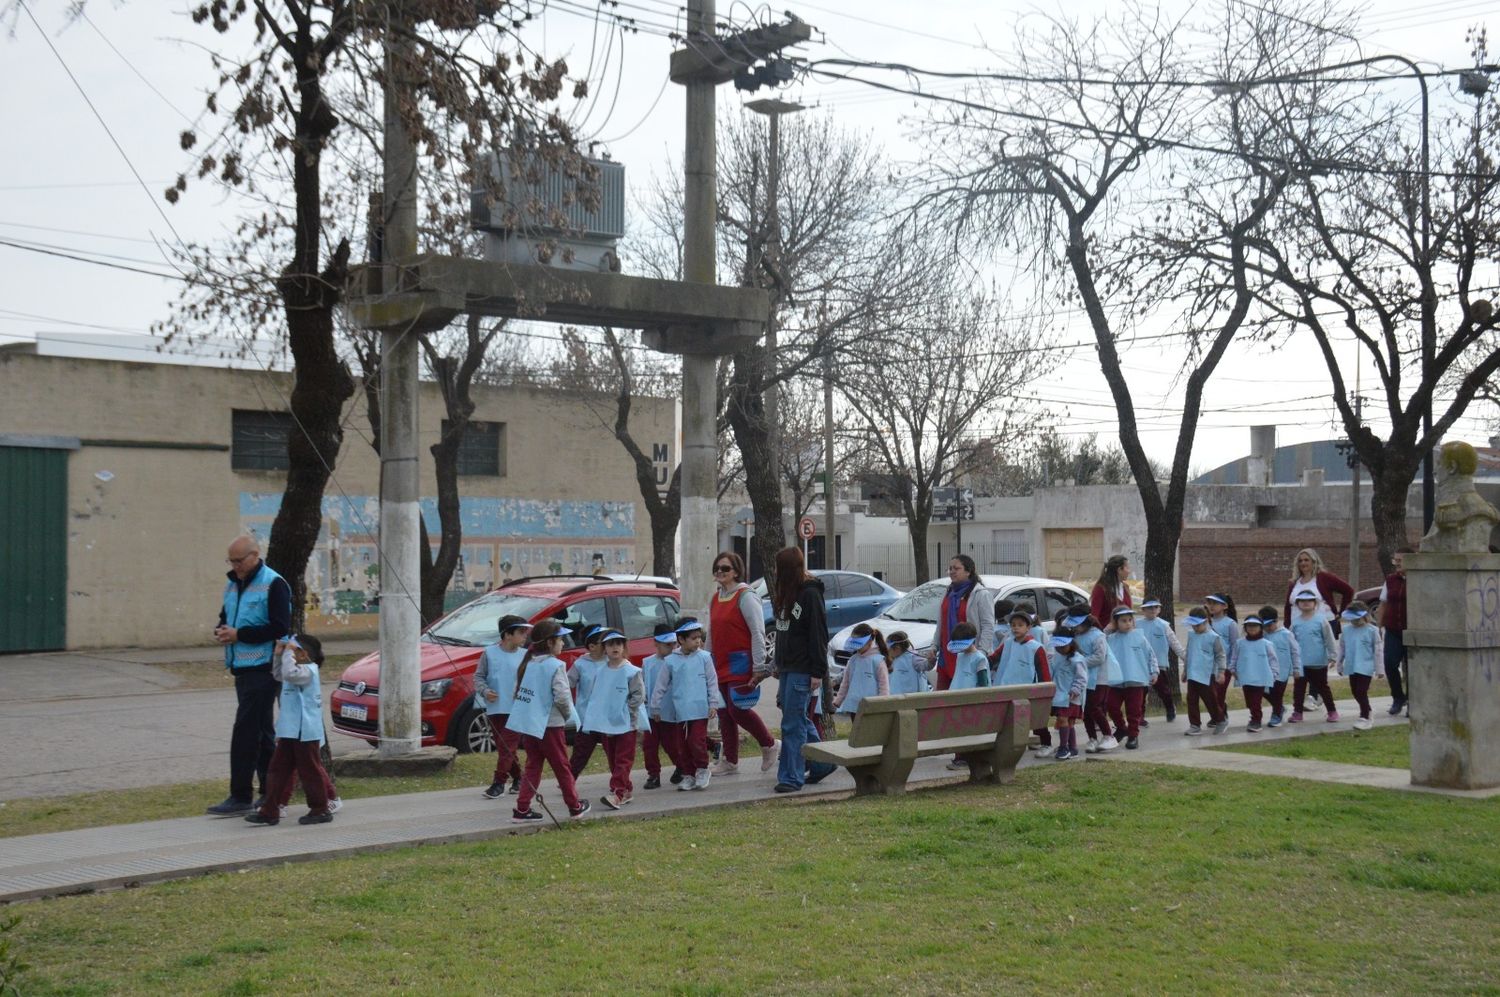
column 451, row 648
column 917, row 611
column 849, row 596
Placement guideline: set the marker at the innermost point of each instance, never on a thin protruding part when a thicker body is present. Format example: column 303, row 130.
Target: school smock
column 1132, row 651
column 907, row 676
column 581, row 679
column 1162, row 638
column 1254, row 663
column 690, row 684
column 300, row 717
column 542, row 699
column 615, row 701
column 1205, row 658
column 1359, row 649
column 497, row 671
column 1018, row 664
column 1226, row 628
column 1070, row 677
column 971, row 669
column 1315, row 642
column 864, row 675
column 1095, row 651
column 1288, row 654
column 651, row 669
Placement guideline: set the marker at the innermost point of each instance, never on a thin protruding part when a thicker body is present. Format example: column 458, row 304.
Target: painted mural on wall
column 504, row 538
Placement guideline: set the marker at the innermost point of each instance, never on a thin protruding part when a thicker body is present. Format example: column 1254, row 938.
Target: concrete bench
column 988, row 728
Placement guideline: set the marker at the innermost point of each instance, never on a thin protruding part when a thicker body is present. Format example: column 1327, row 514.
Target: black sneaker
column 653, row 782
column 256, row 818
column 583, row 808
column 529, row 817
column 321, row 818
column 1145, row 722
column 515, row 786
column 786, row 787
column 496, row 790
column 677, row 775
column 1253, row 727
column 1171, row 711
column 1132, row 743
column 1396, row 709
column 231, row 808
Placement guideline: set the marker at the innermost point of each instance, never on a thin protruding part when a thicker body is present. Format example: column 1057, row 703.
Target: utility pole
column 1354, row 501
column 701, row 67
column 830, row 546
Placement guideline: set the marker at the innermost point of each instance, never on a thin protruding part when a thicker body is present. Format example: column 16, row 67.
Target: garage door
column 1074, row 555
column 33, row 548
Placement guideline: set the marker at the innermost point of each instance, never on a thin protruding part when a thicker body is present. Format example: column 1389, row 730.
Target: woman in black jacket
column 801, row 665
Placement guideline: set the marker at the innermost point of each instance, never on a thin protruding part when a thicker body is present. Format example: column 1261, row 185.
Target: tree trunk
column 752, row 436
column 437, row 572
column 916, row 528
column 665, row 514
column 1162, row 536
column 1390, row 482
column 664, row 511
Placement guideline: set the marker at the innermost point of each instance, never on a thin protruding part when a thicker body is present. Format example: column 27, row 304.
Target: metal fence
column 896, row 563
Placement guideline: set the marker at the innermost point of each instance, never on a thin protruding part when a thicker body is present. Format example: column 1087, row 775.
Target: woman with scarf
column 966, row 601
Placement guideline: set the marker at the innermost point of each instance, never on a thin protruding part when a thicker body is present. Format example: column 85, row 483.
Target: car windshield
column 479, row 621
column 920, row 605
column 759, row 588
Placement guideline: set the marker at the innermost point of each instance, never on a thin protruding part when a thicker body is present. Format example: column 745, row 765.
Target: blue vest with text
column 904, row 676
column 1018, row 662
column 608, row 710
column 533, row 706
column 250, row 608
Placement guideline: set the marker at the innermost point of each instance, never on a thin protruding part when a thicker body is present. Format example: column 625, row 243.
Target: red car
column 451, row 648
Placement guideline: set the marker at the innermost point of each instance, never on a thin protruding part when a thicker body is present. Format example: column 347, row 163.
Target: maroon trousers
column 686, row 744
column 553, row 748
column 651, row 744
column 1201, row 695
column 1096, row 712
column 1221, row 700
column 1315, row 679
column 1277, row 696
column 583, row 750
column 1359, row 685
column 620, row 750
column 732, row 718
column 1254, row 696
column 507, row 747
column 302, row 757
column 1163, row 686
column 1127, row 705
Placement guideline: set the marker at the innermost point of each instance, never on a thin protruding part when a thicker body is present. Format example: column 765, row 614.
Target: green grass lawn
column 213, row 675
column 1085, row 877
column 1387, row 747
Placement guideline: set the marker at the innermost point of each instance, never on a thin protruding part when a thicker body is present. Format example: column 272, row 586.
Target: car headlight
column 436, row 689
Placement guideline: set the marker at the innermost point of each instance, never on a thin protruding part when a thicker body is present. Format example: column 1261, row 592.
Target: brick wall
column 1254, row 566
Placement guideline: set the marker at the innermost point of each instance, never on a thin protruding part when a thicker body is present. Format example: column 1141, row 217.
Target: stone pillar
column 1453, row 632
column 1453, row 638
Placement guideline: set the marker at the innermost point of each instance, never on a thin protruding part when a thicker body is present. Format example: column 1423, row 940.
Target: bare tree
column 1076, row 167
column 954, row 360
column 275, row 111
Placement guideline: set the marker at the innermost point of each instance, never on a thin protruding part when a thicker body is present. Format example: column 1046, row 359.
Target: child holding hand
column 908, row 670
column 299, row 733
column 690, row 684
column 1070, row 678
column 866, row 673
column 614, row 715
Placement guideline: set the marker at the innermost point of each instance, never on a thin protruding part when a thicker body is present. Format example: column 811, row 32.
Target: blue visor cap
column 1060, row 640
column 856, row 643
column 1353, row 614
column 563, row 631
column 1123, row 611
column 1216, row 598
column 1151, row 603
column 1252, row 621
column 1193, row 621
column 1073, row 621
column 614, row 635
column 595, row 632
column 666, row 638
column 960, row 646
column 689, row 627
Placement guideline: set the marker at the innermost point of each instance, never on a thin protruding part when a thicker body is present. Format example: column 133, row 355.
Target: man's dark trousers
column 254, row 738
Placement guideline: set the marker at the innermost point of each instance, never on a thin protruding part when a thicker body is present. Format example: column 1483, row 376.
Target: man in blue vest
column 256, row 612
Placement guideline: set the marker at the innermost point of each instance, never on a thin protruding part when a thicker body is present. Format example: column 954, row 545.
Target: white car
column 917, row 612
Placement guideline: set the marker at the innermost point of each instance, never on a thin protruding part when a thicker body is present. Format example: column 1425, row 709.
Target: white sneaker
column 1108, row 744
column 282, row 810
column 958, row 766
column 700, row 779
column 334, row 805
column 1045, row 751
column 688, row 782
column 725, row 768
column 770, row 756
column 1093, row 746
column 1363, row 723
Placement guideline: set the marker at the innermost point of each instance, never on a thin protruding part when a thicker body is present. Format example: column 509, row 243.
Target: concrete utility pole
column 830, row 545
column 400, row 533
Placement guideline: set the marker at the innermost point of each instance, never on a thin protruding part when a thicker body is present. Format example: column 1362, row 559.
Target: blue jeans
column 793, row 693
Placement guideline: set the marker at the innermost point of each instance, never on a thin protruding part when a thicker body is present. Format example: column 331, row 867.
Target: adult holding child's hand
column 737, row 642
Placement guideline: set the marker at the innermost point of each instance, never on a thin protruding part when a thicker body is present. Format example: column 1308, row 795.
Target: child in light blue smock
column 1360, row 650
column 615, row 714
column 495, row 691
column 542, row 710
column 1137, row 669
column 1255, row 668
column 299, row 734
column 1070, row 682
column 1023, row 661
column 1203, row 665
column 1101, row 668
column 689, row 687
column 1316, row 649
column 866, row 673
column 908, row 669
column 971, row 668
column 651, row 669
column 581, row 677
column 1288, row 657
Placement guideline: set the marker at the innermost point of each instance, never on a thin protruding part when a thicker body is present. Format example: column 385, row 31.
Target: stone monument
column 1453, row 636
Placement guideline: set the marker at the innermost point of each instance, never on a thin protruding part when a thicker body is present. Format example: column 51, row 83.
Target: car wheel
column 470, row 733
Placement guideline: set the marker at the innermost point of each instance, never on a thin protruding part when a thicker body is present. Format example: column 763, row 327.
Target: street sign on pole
column 806, row 528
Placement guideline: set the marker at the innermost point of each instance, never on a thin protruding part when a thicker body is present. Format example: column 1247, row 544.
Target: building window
column 258, row 440
column 482, row 449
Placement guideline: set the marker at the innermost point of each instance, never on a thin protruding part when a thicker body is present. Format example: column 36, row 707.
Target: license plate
column 354, row 712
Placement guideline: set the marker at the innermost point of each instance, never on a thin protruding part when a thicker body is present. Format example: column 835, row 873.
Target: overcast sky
column 65, row 187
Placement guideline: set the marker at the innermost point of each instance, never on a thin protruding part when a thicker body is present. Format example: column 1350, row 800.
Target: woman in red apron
column 737, row 641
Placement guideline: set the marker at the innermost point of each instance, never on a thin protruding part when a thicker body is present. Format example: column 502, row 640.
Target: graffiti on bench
column 960, row 721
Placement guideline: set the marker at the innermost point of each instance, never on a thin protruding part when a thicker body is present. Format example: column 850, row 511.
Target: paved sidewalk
column 110, row 857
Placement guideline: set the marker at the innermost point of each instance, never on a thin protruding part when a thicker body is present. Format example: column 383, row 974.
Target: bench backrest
column 945, row 714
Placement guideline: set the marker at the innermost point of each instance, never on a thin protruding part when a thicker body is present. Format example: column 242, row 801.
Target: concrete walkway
column 111, row 857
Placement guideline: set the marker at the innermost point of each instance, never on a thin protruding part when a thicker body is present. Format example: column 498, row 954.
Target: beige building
column 123, row 482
